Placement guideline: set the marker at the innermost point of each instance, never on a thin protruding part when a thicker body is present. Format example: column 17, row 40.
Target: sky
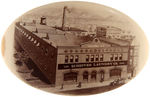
column 81, row 14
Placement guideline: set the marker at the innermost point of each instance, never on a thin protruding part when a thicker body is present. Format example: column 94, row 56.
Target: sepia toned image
column 75, row 48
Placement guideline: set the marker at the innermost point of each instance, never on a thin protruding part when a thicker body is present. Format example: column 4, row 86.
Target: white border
column 139, row 10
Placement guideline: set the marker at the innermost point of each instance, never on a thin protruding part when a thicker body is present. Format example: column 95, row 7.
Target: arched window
column 116, row 56
column 92, row 58
column 66, row 59
column 85, row 75
column 71, row 58
column 101, row 57
column 97, row 58
column 76, row 58
column 35, row 41
column 71, row 76
column 111, row 57
column 115, row 72
column 32, row 39
column 29, row 37
column 87, row 58
column 38, row 44
column 24, row 33
column 93, row 75
column 120, row 56
column 102, row 75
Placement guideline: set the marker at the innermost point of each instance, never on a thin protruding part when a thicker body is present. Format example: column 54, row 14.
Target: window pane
column 66, row 59
column 87, row 58
column 76, row 58
column 92, row 57
column 71, row 58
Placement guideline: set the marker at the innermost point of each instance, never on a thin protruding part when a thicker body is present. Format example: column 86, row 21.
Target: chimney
column 43, row 20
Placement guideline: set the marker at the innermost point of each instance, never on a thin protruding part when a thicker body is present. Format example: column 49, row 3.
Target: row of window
column 92, row 58
column 73, row 75
column 45, row 50
column 93, row 50
column 71, row 58
column 116, row 57
column 29, row 37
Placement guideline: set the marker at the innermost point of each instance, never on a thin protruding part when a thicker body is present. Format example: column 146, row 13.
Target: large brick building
column 64, row 58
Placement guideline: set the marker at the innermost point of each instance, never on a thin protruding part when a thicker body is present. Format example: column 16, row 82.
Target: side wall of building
column 42, row 54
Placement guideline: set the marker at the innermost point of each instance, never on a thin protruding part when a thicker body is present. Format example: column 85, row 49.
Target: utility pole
column 63, row 19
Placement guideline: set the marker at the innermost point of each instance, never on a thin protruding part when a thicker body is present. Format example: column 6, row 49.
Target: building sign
column 90, row 65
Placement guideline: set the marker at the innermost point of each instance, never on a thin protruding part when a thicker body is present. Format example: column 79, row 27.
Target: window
column 76, row 58
column 120, row 56
column 86, row 50
column 116, row 57
column 111, row 57
column 81, row 51
column 65, row 51
column 46, row 51
column 29, row 37
column 71, row 51
column 76, row 51
column 85, row 75
column 115, row 72
column 101, row 57
column 32, row 39
column 38, row 44
column 92, row 57
column 96, row 58
column 66, row 59
column 95, row 50
column 93, row 75
column 71, row 58
column 70, row 76
column 87, row 58
column 35, row 41
column 91, row 51
column 102, row 76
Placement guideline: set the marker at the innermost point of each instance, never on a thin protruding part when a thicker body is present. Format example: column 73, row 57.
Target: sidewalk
column 75, row 86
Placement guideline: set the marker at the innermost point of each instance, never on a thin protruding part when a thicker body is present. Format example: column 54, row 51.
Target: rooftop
column 57, row 37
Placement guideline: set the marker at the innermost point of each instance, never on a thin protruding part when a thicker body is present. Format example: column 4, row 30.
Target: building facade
column 95, row 61
column 67, row 59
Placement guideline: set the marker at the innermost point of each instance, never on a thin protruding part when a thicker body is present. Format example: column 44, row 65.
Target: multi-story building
column 64, row 58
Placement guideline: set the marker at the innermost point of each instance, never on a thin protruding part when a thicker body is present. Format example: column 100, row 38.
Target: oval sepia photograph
column 75, row 48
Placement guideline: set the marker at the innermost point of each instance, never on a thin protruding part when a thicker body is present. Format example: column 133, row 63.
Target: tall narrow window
column 116, row 56
column 87, row 58
column 92, row 57
column 66, row 59
column 32, row 39
column 71, row 58
column 93, row 75
column 101, row 76
column 120, row 56
column 38, row 44
column 76, row 58
column 96, row 58
column 111, row 57
column 85, row 75
column 101, row 57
